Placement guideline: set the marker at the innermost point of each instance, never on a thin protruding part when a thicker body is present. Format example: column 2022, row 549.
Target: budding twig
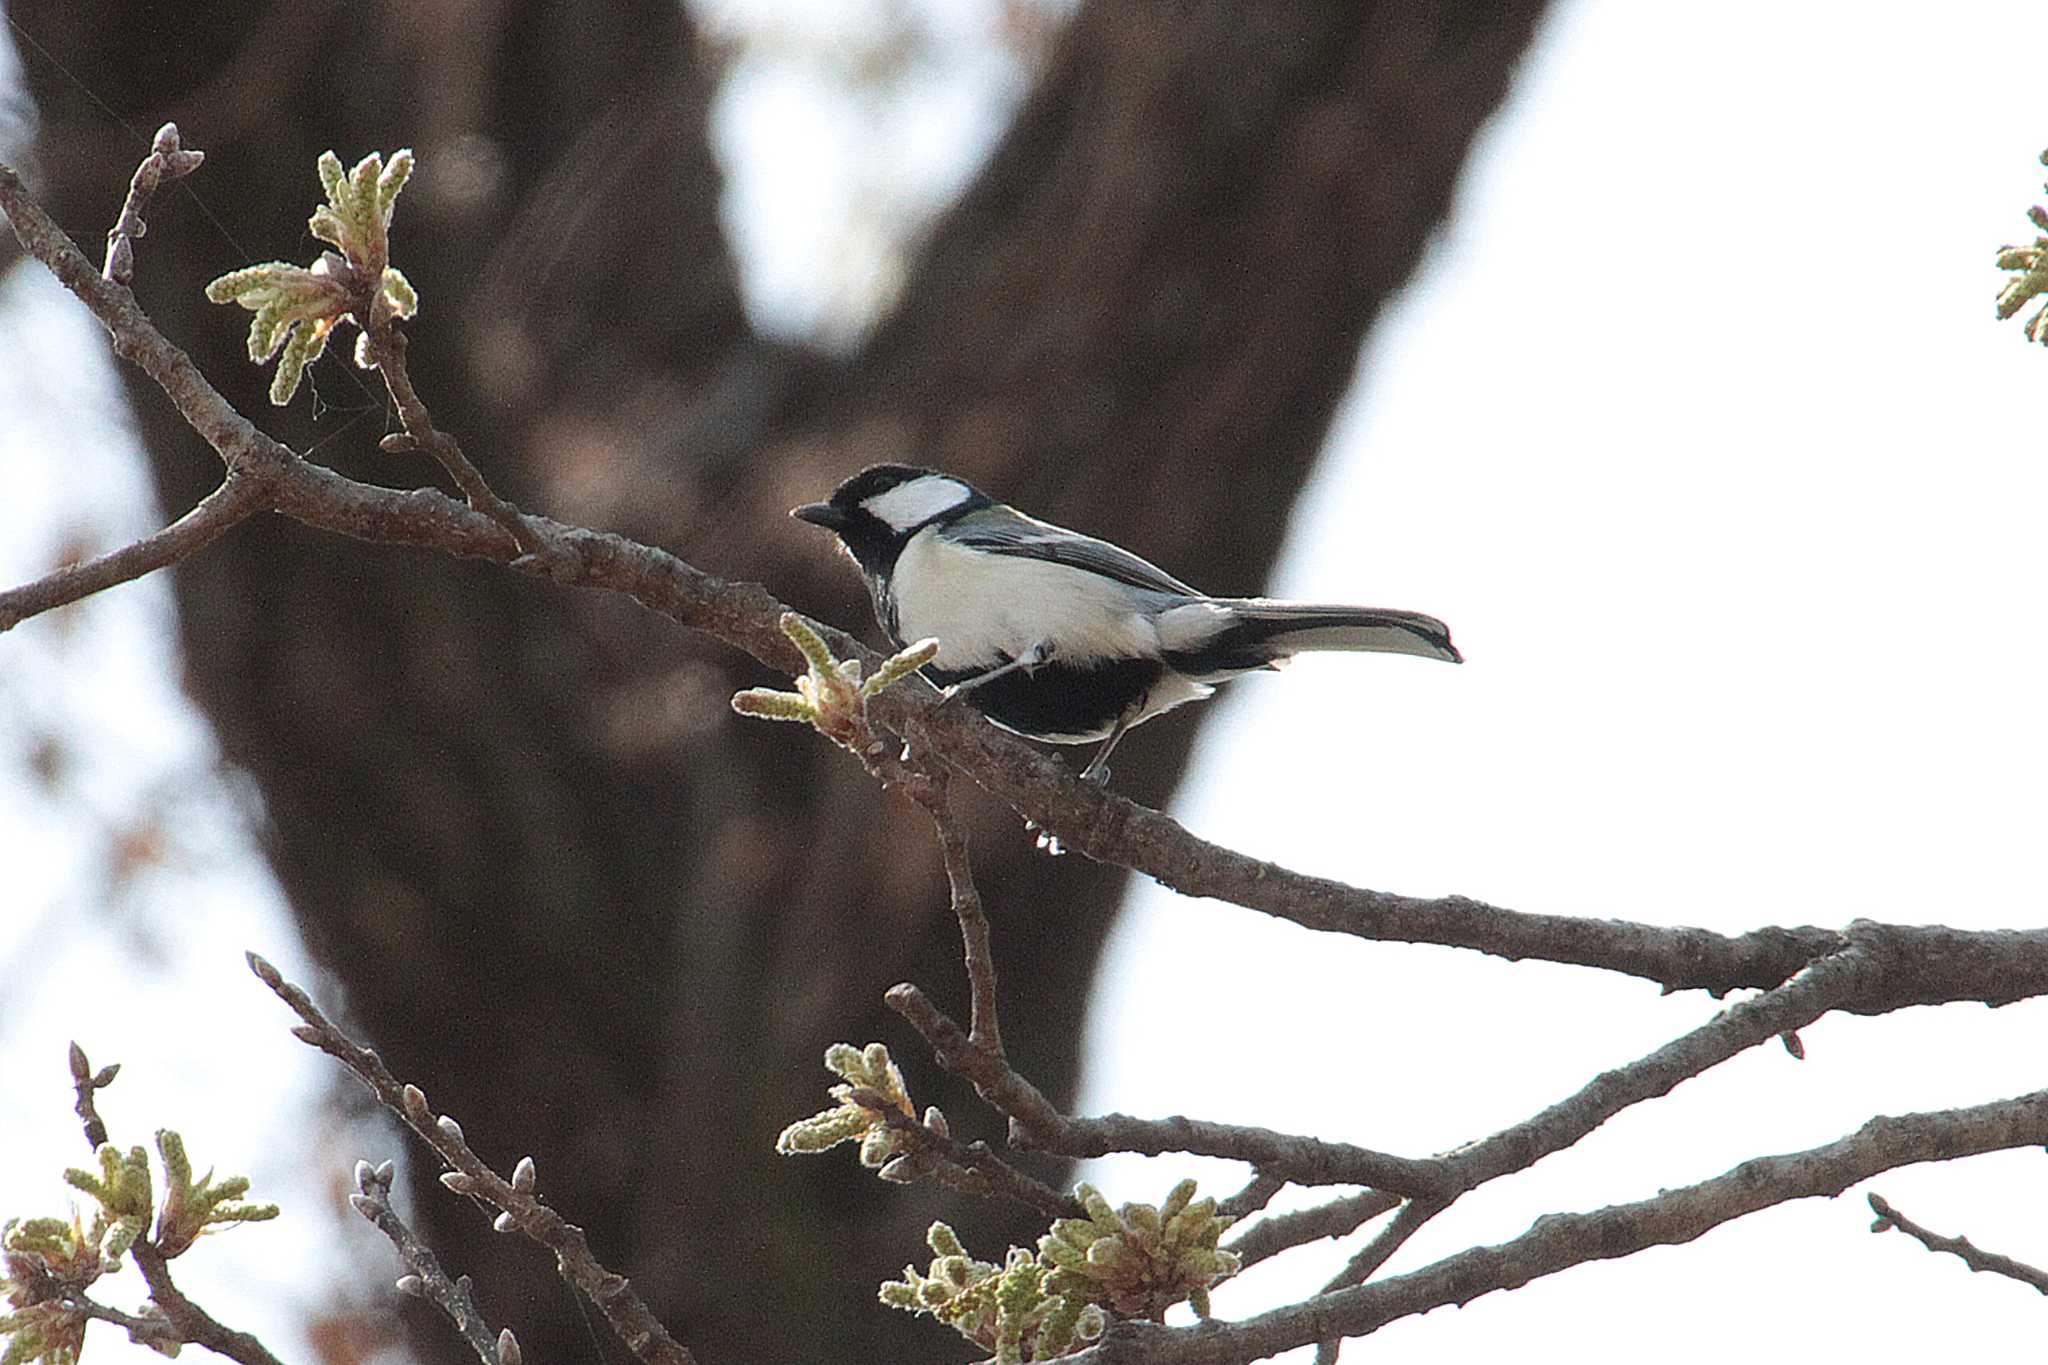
column 425, row 1278
column 167, row 160
column 628, row 1314
column 1962, row 1248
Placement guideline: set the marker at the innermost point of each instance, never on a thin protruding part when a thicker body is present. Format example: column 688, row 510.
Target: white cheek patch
column 917, row 501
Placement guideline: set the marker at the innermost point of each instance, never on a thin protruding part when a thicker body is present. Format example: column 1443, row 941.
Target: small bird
column 1062, row 637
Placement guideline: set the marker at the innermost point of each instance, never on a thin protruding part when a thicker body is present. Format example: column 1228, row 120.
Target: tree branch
column 1560, row 1241
column 386, row 350
column 154, row 1332
column 1372, row 1256
column 1376, row 1253
column 1821, row 988
column 1303, row 1160
column 191, row 1322
column 985, row 1029
column 1256, row 1194
column 1879, row 963
column 1974, row 1257
column 1280, row 1232
column 238, row 498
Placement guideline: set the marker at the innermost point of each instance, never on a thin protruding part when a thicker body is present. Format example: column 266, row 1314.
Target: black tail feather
column 1263, row 632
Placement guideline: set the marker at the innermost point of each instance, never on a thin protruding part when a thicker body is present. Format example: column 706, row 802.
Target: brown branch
column 1280, row 1232
column 1995, row 968
column 1376, row 1253
column 386, row 350
column 993, row 1078
column 1824, row 987
column 1560, row 1241
column 1972, row 1256
column 153, row 1332
column 929, row 788
column 1303, row 1160
column 1372, row 1256
column 238, row 498
column 1879, row 962
column 426, row 1279
column 984, row 1028
column 1256, row 1194
column 521, row 1210
column 191, row 1322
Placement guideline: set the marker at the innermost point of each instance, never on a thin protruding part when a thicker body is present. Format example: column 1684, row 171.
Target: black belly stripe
column 1059, row 701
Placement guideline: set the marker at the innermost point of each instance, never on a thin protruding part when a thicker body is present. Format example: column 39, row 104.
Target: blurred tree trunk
column 556, row 881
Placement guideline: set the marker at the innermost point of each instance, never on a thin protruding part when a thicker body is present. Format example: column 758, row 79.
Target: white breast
column 982, row 607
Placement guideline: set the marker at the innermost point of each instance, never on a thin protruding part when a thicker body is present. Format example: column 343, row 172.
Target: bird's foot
column 1027, row 661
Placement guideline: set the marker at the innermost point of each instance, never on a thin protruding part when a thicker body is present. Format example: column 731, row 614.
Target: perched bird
column 1058, row 636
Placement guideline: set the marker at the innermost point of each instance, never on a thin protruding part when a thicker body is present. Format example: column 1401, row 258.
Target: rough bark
column 558, row 884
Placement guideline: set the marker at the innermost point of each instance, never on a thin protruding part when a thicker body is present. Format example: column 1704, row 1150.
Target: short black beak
column 820, row 514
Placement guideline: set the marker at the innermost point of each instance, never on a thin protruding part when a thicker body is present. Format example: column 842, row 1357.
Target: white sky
column 1698, row 430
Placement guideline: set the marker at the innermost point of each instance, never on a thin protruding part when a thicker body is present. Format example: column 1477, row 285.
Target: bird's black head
column 878, row 509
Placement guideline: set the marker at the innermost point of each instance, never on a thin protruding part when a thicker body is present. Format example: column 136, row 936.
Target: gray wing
column 1002, row 531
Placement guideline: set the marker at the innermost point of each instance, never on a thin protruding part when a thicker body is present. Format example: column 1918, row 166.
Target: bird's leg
column 1097, row 771
column 1028, row 660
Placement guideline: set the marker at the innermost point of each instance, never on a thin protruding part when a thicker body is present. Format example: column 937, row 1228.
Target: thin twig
column 1256, row 1194
column 1372, row 1256
column 386, row 349
column 999, row 1084
column 628, row 1314
column 240, row 497
column 929, row 788
column 1972, row 1256
column 984, row 1028
column 153, row 1332
column 1301, row 1159
column 167, row 160
column 85, row 1082
column 1278, row 1232
column 427, row 1280
column 985, row 1172
column 1375, row 1253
